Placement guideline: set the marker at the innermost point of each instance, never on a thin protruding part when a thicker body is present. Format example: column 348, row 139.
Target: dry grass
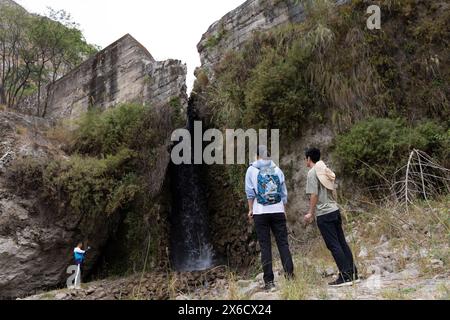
column 233, row 289
column 444, row 292
column 414, row 216
column 172, row 281
column 307, row 281
column 421, row 178
column 21, row 131
column 417, row 230
column 396, row 294
column 48, row 296
column 61, row 133
column 421, row 229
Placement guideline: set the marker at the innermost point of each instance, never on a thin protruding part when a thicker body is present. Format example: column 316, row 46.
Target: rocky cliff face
column 237, row 26
column 230, row 32
column 32, row 239
column 9, row 3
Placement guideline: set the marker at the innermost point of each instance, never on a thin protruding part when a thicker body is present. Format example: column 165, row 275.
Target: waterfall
column 190, row 247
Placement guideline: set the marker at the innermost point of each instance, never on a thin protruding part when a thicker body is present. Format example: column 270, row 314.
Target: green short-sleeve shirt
column 327, row 203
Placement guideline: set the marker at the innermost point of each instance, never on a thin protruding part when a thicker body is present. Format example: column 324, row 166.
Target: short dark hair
column 313, row 153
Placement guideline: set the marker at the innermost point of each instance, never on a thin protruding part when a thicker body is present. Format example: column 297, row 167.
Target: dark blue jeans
column 330, row 226
column 276, row 222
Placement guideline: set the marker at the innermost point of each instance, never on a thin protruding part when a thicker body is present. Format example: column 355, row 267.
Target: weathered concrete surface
column 121, row 73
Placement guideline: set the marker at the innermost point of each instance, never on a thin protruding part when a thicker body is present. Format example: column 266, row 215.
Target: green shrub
column 215, row 39
column 436, row 139
column 92, row 186
column 25, row 174
column 277, row 94
column 178, row 116
column 105, row 133
column 377, row 147
column 264, row 85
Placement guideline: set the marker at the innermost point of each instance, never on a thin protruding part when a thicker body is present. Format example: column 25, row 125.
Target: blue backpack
column 269, row 187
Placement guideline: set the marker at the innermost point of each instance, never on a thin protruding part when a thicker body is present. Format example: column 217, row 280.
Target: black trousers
column 330, row 226
column 277, row 223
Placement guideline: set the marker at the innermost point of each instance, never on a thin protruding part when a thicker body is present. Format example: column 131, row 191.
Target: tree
column 16, row 62
column 60, row 46
column 35, row 51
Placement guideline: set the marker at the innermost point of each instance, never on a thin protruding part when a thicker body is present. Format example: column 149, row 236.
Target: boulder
column 249, row 289
column 411, row 272
column 436, row 263
column 260, row 277
column 363, row 253
column 60, row 296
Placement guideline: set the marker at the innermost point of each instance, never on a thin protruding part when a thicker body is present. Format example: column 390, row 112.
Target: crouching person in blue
column 79, row 256
column 267, row 196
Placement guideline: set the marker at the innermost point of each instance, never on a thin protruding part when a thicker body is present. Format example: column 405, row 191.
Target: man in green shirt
column 321, row 188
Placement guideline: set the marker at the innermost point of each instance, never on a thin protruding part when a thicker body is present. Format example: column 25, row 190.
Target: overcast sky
column 167, row 28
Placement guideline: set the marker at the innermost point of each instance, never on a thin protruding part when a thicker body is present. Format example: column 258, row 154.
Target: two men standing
column 266, row 191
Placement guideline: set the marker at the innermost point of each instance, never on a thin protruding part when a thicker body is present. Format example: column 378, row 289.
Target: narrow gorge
column 191, row 248
column 97, row 166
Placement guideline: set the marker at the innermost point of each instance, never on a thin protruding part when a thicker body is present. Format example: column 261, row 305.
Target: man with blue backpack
column 266, row 191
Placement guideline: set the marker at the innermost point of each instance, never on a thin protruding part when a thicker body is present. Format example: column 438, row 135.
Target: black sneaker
column 354, row 278
column 343, row 282
column 340, row 282
column 290, row 276
column 269, row 286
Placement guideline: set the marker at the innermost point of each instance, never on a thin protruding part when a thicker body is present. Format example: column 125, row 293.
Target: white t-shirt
column 252, row 184
column 78, row 250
